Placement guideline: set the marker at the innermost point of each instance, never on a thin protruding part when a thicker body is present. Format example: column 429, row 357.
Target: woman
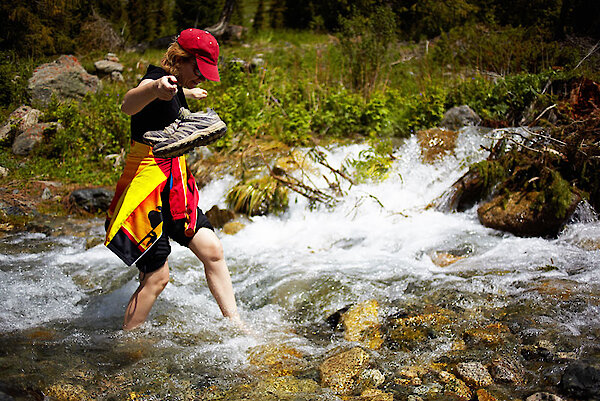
column 157, row 198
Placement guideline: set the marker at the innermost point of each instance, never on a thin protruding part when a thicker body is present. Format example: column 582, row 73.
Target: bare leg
column 151, row 285
column 207, row 247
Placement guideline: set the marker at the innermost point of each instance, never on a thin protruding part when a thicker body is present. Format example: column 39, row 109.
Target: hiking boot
column 194, row 129
column 153, row 137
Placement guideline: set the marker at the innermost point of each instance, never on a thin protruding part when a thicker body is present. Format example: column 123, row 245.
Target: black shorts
column 157, row 255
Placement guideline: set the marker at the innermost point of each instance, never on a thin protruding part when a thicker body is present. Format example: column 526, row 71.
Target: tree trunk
column 219, row 28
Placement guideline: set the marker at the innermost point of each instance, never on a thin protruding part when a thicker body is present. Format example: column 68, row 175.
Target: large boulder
column 64, row 77
column 519, row 213
column 460, row 116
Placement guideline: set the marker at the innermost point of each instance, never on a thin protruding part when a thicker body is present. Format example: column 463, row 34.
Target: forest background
column 330, row 70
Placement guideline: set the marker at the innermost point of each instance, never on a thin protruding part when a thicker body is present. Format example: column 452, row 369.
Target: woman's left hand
column 195, row 93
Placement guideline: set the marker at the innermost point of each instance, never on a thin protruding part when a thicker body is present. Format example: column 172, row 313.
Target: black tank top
column 159, row 113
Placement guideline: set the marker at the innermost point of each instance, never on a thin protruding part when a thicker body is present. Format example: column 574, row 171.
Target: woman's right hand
column 166, row 87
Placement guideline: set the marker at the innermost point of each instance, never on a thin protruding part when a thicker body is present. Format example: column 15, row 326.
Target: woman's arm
column 148, row 90
column 195, row 93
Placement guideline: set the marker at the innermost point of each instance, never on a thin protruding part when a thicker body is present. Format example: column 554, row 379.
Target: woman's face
column 190, row 76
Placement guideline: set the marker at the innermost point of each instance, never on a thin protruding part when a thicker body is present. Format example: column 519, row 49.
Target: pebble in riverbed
column 474, row 374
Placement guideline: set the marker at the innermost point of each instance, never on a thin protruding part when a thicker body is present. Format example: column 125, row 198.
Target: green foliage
column 502, row 50
column 492, row 172
column 91, row 130
column 429, row 18
column 505, row 100
column 424, row 110
column 14, row 72
column 557, row 195
column 365, row 41
column 197, row 14
column 258, row 196
column 374, row 163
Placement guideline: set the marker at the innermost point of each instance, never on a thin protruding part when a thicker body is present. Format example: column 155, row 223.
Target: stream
column 63, row 301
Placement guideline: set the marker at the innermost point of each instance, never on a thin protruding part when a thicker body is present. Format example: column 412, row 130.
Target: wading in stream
column 156, row 198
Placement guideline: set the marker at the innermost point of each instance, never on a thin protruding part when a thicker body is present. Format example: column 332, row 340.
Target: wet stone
column 543, row 397
column 276, row 359
column 484, row 395
column 361, row 324
column 219, row 217
column 507, row 369
column 454, row 387
column 581, row 379
column 492, row 334
column 375, row 395
column 542, row 351
column 474, row 374
column 340, row 372
column 370, row 379
column 233, row 227
column 436, row 143
column 408, row 333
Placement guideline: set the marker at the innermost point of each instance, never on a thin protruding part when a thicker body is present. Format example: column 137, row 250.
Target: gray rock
column 474, row 374
column 116, row 76
column 64, row 77
column 460, row 116
column 30, row 137
column 3, row 172
column 107, row 67
column 21, row 119
column 92, row 199
column 543, row 397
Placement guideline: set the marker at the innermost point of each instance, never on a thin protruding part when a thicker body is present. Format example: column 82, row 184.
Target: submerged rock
column 361, row 324
column 474, row 374
column 341, row 372
column 233, row 227
column 543, row 397
column 492, row 334
column 507, row 369
column 276, row 359
column 409, row 332
column 454, row 387
column 484, row 395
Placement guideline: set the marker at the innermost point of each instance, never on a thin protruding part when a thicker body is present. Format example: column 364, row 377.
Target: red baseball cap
column 205, row 48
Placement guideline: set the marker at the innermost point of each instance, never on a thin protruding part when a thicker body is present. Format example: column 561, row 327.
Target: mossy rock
column 522, row 214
